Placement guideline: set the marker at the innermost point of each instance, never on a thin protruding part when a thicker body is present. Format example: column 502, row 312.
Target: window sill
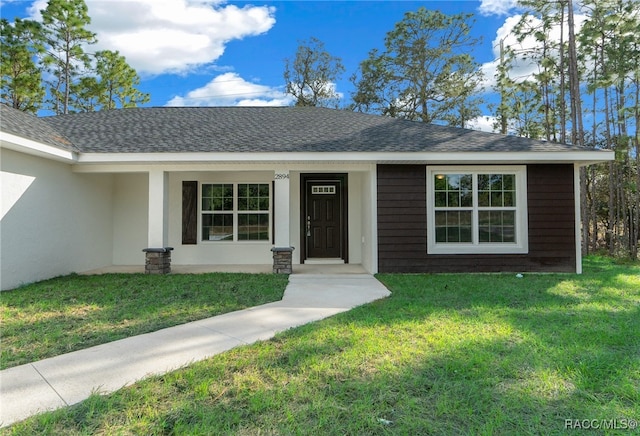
column 477, row 249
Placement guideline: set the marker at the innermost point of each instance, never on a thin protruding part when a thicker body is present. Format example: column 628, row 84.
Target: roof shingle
column 29, row 126
column 259, row 129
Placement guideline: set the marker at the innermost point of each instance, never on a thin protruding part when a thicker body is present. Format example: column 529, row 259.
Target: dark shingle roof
column 31, row 127
column 256, row 129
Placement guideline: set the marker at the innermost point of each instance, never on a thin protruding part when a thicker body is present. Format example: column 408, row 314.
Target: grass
column 68, row 313
column 445, row 354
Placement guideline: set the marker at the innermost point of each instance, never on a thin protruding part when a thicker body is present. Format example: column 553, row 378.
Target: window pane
column 453, row 182
column 483, row 182
column 253, row 196
column 453, row 199
column 496, row 199
column 453, row 190
column 466, row 198
column 242, row 191
column 496, row 226
column 217, row 227
column 264, row 190
column 509, row 199
column 466, row 182
column 496, row 190
column 453, row 226
column 206, row 190
column 217, row 197
column 495, row 182
column 509, row 182
column 253, row 227
column 483, row 198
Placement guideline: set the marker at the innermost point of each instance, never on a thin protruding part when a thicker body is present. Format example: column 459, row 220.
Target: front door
column 323, row 217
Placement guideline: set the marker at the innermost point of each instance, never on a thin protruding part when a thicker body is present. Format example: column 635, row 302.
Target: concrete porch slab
column 250, row 269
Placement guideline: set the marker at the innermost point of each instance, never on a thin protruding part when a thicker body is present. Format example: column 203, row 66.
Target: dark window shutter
column 189, row 212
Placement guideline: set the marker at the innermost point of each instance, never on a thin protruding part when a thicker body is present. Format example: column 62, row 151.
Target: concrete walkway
column 68, row 379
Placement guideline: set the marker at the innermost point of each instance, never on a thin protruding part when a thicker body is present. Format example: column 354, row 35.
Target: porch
column 185, row 207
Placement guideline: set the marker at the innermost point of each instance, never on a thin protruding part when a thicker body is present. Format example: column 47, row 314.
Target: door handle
column 308, row 226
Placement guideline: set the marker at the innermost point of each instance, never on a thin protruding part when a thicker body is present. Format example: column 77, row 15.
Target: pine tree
column 425, row 72
column 65, row 32
column 21, row 82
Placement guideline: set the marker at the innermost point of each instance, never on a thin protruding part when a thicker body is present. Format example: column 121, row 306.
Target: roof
column 256, row 130
column 29, row 126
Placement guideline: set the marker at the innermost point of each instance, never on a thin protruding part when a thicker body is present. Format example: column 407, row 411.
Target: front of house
column 227, row 186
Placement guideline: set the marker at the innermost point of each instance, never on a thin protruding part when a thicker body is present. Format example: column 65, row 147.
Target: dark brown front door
column 323, row 218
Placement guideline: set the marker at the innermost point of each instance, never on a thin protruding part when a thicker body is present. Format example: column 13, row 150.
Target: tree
column 311, row 76
column 64, row 24
column 84, row 95
column 21, row 83
column 611, row 49
column 538, row 97
column 425, row 72
column 112, row 86
column 118, row 81
column 598, row 63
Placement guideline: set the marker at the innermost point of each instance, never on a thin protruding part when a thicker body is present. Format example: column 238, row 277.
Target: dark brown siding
column 402, row 225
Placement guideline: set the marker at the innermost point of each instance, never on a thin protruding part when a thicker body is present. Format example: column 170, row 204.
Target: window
column 477, row 210
column 236, row 211
column 321, row 189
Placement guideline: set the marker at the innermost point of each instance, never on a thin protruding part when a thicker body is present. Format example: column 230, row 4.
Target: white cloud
column 170, row 36
column 229, row 89
column 497, row 7
column 484, row 123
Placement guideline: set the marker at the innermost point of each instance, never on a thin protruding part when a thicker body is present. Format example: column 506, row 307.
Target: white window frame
column 521, row 244
column 235, row 212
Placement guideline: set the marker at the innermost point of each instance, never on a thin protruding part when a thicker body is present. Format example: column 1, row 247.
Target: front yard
column 69, row 313
column 445, row 354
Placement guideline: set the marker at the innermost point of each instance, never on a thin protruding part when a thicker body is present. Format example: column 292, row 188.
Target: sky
column 230, row 53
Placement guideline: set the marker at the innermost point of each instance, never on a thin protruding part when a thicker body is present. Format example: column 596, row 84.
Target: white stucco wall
column 368, row 201
column 294, row 216
column 54, row 221
column 355, row 216
column 130, row 218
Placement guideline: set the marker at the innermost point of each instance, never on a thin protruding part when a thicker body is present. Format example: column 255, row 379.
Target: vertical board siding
column 189, row 212
column 402, row 225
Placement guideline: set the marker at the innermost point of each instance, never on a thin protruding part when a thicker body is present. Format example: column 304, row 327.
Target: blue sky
column 208, row 52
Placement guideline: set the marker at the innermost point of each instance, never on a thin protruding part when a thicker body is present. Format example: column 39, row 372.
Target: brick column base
column 158, row 260
column 282, row 260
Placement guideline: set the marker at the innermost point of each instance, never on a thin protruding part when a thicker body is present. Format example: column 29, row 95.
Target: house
column 226, row 185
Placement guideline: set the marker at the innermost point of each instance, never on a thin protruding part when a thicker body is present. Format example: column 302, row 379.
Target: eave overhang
column 581, row 158
column 35, row 148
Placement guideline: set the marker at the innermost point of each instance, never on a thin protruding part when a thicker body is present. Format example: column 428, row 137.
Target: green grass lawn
column 447, row 354
column 69, row 313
